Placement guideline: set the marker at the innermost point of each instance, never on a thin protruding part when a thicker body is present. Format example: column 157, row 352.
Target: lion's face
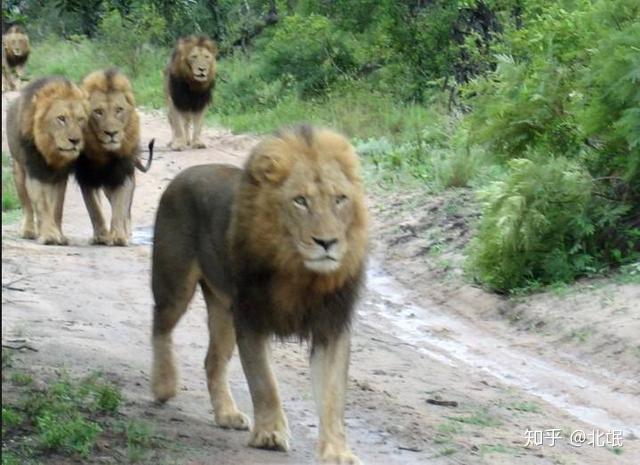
column 58, row 127
column 200, row 61
column 317, row 211
column 310, row 201
column 17, row 44
column 110, row 114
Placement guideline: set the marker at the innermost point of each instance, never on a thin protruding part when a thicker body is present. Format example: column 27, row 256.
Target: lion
column 110, row 154
column 189, row 82
column 45, row 134
column 278, row 248
column 15, row 52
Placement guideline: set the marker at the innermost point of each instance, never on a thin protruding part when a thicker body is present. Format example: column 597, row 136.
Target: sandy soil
column 418, row 336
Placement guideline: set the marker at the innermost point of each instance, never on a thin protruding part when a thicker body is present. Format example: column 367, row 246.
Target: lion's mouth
column 326, row 264
column 111, row 144
column 69, row 152
column 200, row 77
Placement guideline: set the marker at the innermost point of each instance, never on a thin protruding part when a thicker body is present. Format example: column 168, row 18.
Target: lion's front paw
column 335, row 454
column 28, row 233
column 273, row 440
column 53, row 238
column 273, row 435
column 100, row 239
column 198, row 144
column 119, row 240
column 233, row 420
column 177, row 145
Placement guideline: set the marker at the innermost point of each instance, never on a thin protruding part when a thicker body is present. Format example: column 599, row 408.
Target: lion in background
column 45, row 134
column 278, row 248
column 110, row 154
column 189, row 82
column 15, row 53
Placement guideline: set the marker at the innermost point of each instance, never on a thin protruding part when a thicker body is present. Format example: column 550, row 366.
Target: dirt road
column 89, row 307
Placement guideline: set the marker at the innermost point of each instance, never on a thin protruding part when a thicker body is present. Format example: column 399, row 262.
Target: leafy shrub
column 125, row 39
column 311, row 50
column 567, row 87
column 533, row 226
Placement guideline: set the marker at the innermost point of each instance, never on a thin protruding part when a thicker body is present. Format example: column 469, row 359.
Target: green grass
column 76, row 58
column 139, row 438
column 530, row 407
column 10, row 202
column 21, row 379
column 479, row 418
column 67, row 418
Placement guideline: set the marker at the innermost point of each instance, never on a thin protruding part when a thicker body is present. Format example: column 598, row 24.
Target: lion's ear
column 269, row 163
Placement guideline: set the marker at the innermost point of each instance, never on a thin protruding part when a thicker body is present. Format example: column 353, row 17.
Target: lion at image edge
column 15, row 53
column 45, row 135
column 278, row 249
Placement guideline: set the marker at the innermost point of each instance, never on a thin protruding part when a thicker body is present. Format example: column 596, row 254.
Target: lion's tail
column 145, row 168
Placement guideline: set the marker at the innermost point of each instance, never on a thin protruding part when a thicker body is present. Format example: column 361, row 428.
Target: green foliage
column 124, row 39
column 10, row 419
column 567, row 86
column 139, row 437
column 66, row 417
column 534, row 225
column 73, row 58
column 310, row 51
column 9, row 194
column 107, row 398
column 21, row 379
column 68, row 433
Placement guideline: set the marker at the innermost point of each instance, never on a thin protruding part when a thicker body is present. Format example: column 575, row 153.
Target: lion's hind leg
column 172, row 293
column 222, row 341
column 270, row 429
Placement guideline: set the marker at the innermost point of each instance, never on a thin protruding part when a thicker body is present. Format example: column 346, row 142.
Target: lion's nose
column 111, row 133
column 74, row 141
column 325, row 243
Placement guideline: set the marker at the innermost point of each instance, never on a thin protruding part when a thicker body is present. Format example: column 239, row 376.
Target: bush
column 126, row 39
column 567, row 87
column 534, row 227
column 311, row 50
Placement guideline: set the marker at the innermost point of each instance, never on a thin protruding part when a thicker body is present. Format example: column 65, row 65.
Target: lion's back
column 192, row 221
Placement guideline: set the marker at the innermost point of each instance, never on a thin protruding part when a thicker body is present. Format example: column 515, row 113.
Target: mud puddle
column 142, row 235
column 453, row 341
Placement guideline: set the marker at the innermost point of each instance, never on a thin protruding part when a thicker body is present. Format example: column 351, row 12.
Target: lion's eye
column 340, row 199
column 98, row 112
column 62, row 119
column 300, row 201
column 119, row 110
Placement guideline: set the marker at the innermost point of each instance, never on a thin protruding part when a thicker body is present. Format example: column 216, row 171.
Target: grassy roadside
column 10, row 203
column 66, row 419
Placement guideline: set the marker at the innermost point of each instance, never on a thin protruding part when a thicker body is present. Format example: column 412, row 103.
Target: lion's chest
column 294, row 306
